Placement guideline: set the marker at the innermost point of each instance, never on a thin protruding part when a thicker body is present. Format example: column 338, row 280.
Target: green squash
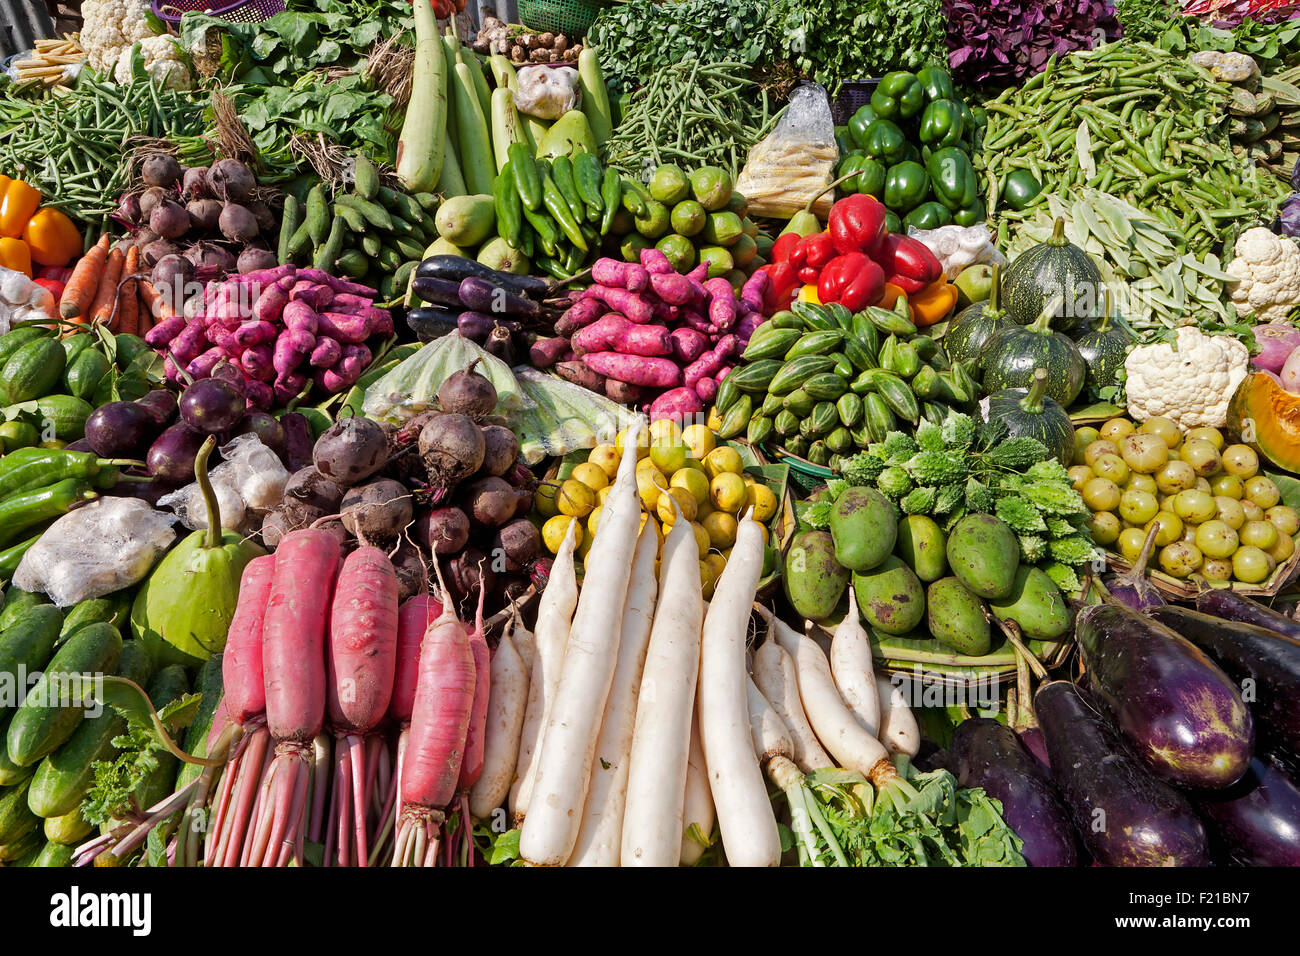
column 974, row 325
column 1055, row 274
column 1034, row 414
column 184, row 608
column 1103, row 350
column 1010, row 357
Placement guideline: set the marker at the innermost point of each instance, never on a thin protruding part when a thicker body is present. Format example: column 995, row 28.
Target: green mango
column 921, row 546
column 956, row 617
column 711, row 187
column 863, row 527
column 568, row 135
column 984, row 555
column 184, row 608
column 1035, row 604
column 891, row 596
column 669, row 184
column 813, row 580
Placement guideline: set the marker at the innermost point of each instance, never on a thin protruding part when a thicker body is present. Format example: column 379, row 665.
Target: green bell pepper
column 892, row 222
column 869, row 178
column 899, row 96
column 843, row 141
column 928, row 215
column 937, row 83
column 858, row 124
column 942, row 124
column 1020, row 189
column 884, row 141
column 971, row 215
column 953, row 178
column 906, row 186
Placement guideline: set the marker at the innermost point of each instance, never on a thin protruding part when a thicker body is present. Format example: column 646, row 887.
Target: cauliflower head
column 109, row 27
column 1191, row 381
column 162, row 61
column 1267, row 269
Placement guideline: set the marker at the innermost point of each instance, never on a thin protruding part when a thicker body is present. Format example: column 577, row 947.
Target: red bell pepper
column 782, row 287
column 856, row 223
column 907, row 262
column 852, row 280
column 810, row 255
column 54, row 285
column 784, row 245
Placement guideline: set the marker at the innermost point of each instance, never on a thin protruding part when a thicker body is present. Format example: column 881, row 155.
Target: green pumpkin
column 974, row 325
column 1034, row 414
column 1010, row 357
column 184, row 608
column 1055, row 274
column 1103, row 350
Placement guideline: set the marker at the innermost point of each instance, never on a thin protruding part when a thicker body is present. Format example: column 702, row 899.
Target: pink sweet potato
column 655, row 262
column 580, row 314
column 707, row 389
column 291, row 349
column 722, row 303
column 259, row 394
column 270, row 304
column 613, row 333
column 578, row 373
column 253, row 332
column 202, row 366
column 751, row 293
column 693, row 320
column 689, row 344
column 635, row 307
column 190, row 342
column 623, row 392
column 287, row 387
column 352, row 329
column 672, row 288
column 299, row 315
column 677, row 404
column 165, row 331
column 313, row 294
column 748, row 323
column 706, row 366
column 699, row 273
column 258, row 362
column 326, row 353
column 636, row 369
column 546, row 352
column 620, row 275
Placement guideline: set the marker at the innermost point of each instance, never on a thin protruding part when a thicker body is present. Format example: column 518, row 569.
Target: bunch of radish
column 283, row 327
column 448, row 487
column 646, row 335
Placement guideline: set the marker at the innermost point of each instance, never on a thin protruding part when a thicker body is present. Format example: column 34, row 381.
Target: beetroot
column 151, row 197
column 351, row 450
column 169, row 219
column 204, row 213
column 467, row 571
column 236, row 223
column 500, row 450
column 412, row 571
column 467, row 393
column 210, row 257
column 520, row 542
column 172, row 270
column 267, row 224
column 158, row 250
column 194, row 184
column 443, row 530
column 253, row 259
column 490, row 502
column 231, row 180
column 128, row 208
column 452, row 449
column 377, row 512
column 160, row 169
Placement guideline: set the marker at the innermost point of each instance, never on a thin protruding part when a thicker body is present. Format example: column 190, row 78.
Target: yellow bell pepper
column 18, row 201
column 52, row 237
column 933, row 303
column 808, row 293
column 15, row 255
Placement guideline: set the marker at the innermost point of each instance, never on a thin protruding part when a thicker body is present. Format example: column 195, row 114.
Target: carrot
column 80, row 290
column 101, row 309
column 128, row 303
column 154, row 301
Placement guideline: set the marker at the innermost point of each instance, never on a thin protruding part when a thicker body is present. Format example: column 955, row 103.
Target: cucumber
column 54, row 855
column 75, row 345
column 16, row 818
column 33, row 370
column 66, row 413
column 317, row 219
column 68, row 830
column 329, row 250
column 63, row 777
column 114, row 609
column 26, row 647
column 23, row 850
column 797, row 371
column 366, row 178
column 290, row 220
column 352, row 216
column 10, row 772
column 40, row 727
column 83, row 374
column 13, row 340
column 17, row 604
column 374, row 213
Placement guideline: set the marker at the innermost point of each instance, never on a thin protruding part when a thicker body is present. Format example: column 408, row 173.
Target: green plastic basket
column 573, row 18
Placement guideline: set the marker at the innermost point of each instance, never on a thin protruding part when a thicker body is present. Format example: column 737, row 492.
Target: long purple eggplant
column 1269, row 661
column 987, row 754
column 1125, row 815
column 1256, row 821
column 1220, row 602
column 1182, row 715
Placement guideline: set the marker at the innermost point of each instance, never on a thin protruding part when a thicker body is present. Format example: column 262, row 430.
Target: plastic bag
column 248, row 483
column 566, row 418
column 412, row 387
column 795, row 161
column 22, row 300
column 547, row 92
column 957, row 247
column 110, row 544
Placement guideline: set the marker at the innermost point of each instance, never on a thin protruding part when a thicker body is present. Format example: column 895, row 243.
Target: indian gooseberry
column 1080, row 475
column 1101, row 494
column 1258, row 534
column 1169, row 528
column 1174, row 477
column 1240, row 460
column 1165, row 428
column 1180, row 559
column 1285, row 519
column 1251, row 565
column 1226, row 485
column 1252, row 511
column 1098, row 448
column 1205, row 433
column 1283, row 550
column 1116, row 428
column 1130, row 543
column 1189, row 532
column 1105, row 527
column 1230, row 511
column 1262, row 491
column 1217, row 569
column 1083, row 437
column 1140, row 482
column 1112, row 467
column 1203, row 484
column 1194, row 506
column 1216, row 539
column 1138, row 507
column 1144, row 453
column 1201, row 455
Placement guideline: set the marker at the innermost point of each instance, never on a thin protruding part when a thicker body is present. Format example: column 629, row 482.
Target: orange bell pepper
column 933, row 303
column 52, row 237
column 18, row 202
column 892, row 294
column 15, row 255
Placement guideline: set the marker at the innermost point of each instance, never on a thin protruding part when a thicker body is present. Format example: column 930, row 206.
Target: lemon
column 727, row 491
column 593, row 519
column 705, row 509
column 723, row 460
column 668, row 456
column 603, row 494
column 544, row 500
column 714, row 421
column 708, row 579
column 699, row 440
column 605, row 457
column 575, row 499
column 642, row 445
column 554, row 530
column 650, row 483
column 664, row 432
column 721, row 528
column 761, row 499
column 593, row 476
column 585, row 546
column 686, row 505
column 701, row 539
column 693, row 481
column 717, row 562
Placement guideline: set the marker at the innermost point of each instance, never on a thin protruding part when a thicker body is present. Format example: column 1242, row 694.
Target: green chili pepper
column 19, row 512
column 527, row 181
column 556, row 205
column 50, row 466
column 508, row 207
column 611, row 195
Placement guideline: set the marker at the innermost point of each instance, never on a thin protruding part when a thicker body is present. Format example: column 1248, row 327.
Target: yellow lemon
column 717, row 562
column 723, row 460
column 650, row 483
column 761, row 499
column 708, row 580
column 721, row 528
column 668, row 456
column 603, row 494
column 714, row 421
column 593, row 476
column 727, row 492
column 686, row 505
column 664, row 432
column 554, row 530
column 693, row 481
column 701, row 539
column 699, row 440
column 593, row 519
column 605, row 457
column 575, row 499
column 544, row 500
column 642, row 445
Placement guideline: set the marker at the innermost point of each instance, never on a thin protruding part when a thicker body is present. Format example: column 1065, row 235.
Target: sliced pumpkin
column 1267, row 417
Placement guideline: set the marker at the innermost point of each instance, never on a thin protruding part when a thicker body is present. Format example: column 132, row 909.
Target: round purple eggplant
column 1125, row 815
column 1177, row 709
column 989, row 755
column 1256, row 821
column 120, row 429
column 265, row 427
column 1269, row 661
column 1221, row 602
column 212, row 405
column 162, row 404
column 171, row 456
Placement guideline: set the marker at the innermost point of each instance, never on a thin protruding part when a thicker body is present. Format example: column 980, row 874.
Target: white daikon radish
column 852, row 669
column 898, row 729
column 507, row 699
column 697, row 807
column 774, row 674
